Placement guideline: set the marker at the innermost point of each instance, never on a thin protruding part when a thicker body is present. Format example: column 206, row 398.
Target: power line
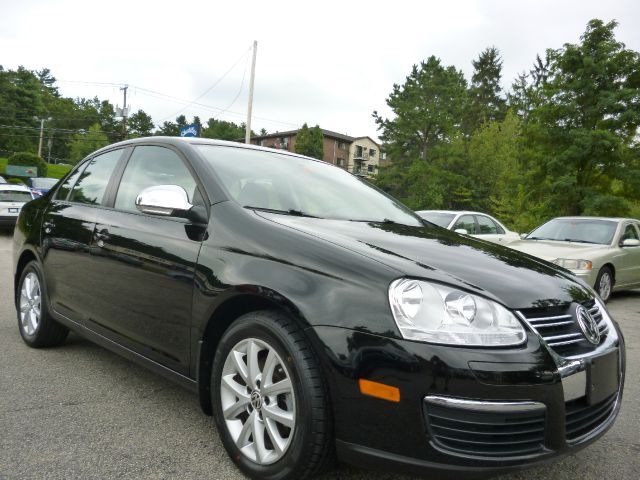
column 215, row 84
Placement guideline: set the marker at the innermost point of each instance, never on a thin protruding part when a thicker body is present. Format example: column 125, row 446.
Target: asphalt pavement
column 79, row 411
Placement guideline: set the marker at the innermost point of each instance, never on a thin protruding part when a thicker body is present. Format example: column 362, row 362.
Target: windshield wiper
column 537, row 238
column 387, row 221
column 578, row 241
column 291, row 211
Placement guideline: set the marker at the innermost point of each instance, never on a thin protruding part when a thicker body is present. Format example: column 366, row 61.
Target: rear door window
column 93, row 181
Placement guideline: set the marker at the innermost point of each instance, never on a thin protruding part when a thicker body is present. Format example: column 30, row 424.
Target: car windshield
column 43, row 182
column 298, row 186
column 14, row 196
column 439, row 218
column 576, row 230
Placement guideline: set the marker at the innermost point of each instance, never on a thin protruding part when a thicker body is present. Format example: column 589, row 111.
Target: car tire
column 604, row 283
column 281, row 397
column 37, row 328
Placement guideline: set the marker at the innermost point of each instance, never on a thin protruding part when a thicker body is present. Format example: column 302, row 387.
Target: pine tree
column 486, row 99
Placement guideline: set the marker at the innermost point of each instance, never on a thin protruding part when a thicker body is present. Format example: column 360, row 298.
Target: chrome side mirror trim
column 165, row 200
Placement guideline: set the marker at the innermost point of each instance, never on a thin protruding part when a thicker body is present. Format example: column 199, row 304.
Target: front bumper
column 448, row 396
column 587, row 276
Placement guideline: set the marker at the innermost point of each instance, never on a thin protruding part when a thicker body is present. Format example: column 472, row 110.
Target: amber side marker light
column 379, row 390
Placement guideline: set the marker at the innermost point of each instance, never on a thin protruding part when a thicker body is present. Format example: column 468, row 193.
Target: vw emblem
column 588, row 325
column 256, row 400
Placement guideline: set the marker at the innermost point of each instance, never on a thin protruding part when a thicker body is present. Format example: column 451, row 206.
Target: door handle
column 48, row 226
column 102, row 236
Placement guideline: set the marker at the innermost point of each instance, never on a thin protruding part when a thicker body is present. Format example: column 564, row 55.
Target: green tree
column 428, row 110
column 140, row 124
column 583, row 134
column 310, row 142
column 82, row 144
column 222, row 130
column 486, row 99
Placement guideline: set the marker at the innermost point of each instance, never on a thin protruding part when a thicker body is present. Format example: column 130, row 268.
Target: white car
column 12, row 198
column 476, row 224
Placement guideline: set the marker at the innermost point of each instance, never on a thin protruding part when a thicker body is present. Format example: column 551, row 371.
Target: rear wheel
column 604, row 283
column 269, row 399
column 37, row 328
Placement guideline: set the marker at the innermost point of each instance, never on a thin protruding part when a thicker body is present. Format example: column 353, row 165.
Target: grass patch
column 53, row 171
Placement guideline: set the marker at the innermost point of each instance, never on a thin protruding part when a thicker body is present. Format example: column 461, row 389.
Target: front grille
column 486, row 434
column 558, row 327
column 581, row 419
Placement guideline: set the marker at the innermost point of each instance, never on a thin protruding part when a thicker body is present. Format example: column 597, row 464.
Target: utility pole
column 247, row 135
column 124, row 113
column 42, row 120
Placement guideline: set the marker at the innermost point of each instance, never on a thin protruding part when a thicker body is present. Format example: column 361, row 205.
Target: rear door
column 144, row 264
column 67, row 229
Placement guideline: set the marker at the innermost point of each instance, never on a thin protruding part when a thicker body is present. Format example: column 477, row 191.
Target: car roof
column 178, row 141
column 17, row 188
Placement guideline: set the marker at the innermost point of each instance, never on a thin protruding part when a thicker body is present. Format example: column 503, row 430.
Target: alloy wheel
column 604, row 286
column 30, row 303
column 258, row 401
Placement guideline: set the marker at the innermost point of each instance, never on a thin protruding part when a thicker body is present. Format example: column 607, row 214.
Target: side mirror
column 168, row 201
column 630, row 242
column 461, row 231
column 523, row 235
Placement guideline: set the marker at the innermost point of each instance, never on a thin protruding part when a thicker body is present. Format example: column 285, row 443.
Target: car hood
column 550, row 250
column 512, row 278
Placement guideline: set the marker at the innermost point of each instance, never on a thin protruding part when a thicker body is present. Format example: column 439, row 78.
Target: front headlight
column 572, row 264
column 439, row 314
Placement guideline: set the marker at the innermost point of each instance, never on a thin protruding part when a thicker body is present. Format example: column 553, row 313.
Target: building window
column 340, row 162
column 372, row 152
column 359, row 151
column 371, row 168
column 342, row 146
column 282, row 143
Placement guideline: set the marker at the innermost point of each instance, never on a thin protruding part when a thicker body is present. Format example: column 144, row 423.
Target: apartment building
column 359, row 155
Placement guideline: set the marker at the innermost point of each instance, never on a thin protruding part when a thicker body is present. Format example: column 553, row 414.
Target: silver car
column 604, row 252
column 476, row 224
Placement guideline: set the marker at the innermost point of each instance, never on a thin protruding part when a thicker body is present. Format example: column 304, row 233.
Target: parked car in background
column 41, row 185
column 604, row 252
column 476, row 224
column 12, row 198
column 2, row 180
column 313, row 314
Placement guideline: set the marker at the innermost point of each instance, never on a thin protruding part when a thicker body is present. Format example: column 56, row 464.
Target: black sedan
column 315, row 316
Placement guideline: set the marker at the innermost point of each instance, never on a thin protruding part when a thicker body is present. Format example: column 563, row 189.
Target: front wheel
column 269, row 399
column 604, row 283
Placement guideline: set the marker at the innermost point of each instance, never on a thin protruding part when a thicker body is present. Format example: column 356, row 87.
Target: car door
column 67, row 229
column 144, row 264
column 628, row 258
column 466, row 222
column 488, row 229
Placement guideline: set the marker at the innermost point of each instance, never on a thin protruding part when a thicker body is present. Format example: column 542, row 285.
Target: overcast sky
column 323, row 62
